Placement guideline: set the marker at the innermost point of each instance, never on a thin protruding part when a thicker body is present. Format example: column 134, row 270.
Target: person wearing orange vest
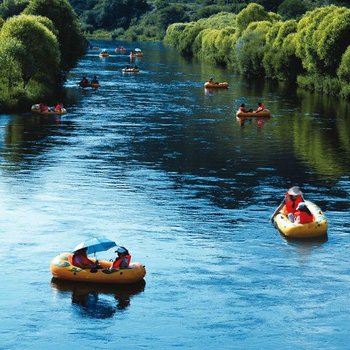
column 81, row 260
column 291, row 200
column 122, row 261
column 303, row 214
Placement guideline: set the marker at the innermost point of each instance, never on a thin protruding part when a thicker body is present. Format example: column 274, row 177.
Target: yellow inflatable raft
column 317, row 228
column 208, row 85
column 130, row 70
column 61, row 267
column 265, row 113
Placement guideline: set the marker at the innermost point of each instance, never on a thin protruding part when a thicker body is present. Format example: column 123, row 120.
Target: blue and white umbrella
column 96, row 244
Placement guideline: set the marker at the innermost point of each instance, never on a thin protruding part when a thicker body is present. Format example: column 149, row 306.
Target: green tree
column 71, row 40
column 292, row 8
column 42, row 56
column 9, row 8
column 252, row 13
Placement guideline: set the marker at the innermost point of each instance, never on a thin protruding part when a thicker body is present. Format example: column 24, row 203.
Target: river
column 161, row 166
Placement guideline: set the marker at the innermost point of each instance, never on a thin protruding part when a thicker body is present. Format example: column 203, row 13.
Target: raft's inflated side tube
column 264, row 113
column 208, row 85
column 62, row 268
column 317, row 228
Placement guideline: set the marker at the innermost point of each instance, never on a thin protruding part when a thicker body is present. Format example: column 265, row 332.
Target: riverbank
column 313, row 51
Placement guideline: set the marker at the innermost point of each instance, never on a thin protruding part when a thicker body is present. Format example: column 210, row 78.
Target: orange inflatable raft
column 62, row 268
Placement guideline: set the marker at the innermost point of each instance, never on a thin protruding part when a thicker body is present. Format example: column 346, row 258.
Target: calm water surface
column 163, row 167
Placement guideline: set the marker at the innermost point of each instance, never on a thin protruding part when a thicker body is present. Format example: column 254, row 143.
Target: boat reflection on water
column 98, row 300
column 260, row 122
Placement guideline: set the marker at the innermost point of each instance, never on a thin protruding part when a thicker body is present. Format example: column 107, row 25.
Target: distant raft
column 317, row 228
column 136, row 54
column 264, row 113
column 209, row 85
column 62, row 268
column 88, row 85
column 130, row 70
column 50, row 110
column 104, row 54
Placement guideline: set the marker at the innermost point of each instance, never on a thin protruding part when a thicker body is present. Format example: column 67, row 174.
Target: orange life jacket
column 121, row 262
column 302, row 217
column 291, row 206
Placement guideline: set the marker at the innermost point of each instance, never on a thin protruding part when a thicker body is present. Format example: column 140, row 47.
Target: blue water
column 161, row 166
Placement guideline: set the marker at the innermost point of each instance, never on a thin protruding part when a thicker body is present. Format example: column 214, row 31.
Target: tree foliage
column 71, row 40
column 37, row 44
column 313, row 51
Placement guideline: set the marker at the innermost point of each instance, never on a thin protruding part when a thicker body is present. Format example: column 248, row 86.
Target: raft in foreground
column 265, row 113
column 317, row 228
column 61, row 267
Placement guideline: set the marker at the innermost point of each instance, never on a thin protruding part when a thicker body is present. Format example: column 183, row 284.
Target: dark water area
column 161, row 166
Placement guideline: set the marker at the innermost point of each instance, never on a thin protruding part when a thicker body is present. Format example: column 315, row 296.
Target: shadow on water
column 98, row 300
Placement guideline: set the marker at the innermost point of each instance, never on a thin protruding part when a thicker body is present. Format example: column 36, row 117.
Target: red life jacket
column 291, row 206
column 121, row 262
column 302, row 217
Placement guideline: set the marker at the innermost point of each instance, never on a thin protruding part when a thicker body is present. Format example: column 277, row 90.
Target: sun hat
column 295, row 191
column 121, row 250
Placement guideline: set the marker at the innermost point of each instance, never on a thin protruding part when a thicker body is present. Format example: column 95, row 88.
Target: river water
column 161, row 166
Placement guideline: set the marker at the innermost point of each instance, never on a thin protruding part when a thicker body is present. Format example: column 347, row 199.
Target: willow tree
column 173, row 34
column 250, row 48
column 70, row 37
column 252, row 13
column 280, row 60
column 188, row 37
column 35, row 55
column 332, row 38
column 11, row 53
column 305, row 45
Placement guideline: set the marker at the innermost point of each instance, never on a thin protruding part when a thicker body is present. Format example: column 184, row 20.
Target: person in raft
column 243, row 109
column 84, row 82
column 59, row 107
column 291, row 200
column 94, row 80
column 303, row 214
column 81, row 260
column 122, row 261
column 260, row 108
column 211, row 81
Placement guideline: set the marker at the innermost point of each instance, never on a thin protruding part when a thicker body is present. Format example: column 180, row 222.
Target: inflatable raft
column 62, row 268
column 104, row 54
column 130, row 70
column 136, row 54
column 208, row 85
column 265, row 113
column 51, row 110
column 317, row 228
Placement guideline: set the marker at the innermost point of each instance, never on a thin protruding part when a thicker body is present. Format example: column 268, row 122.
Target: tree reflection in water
column 98, row 300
